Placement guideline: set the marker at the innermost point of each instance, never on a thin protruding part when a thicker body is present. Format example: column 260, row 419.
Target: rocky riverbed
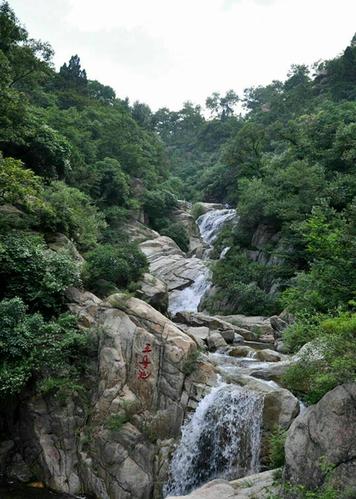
column 175, row 397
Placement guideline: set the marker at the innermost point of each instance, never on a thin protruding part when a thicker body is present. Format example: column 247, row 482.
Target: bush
column 276, row 455
column 30, row 347
column 73, row 214
column 197, row 211
column 306, row 328
column 178, row 233
column 158, row 205
column 119, row 265
column 329, row 361
column 38, row 275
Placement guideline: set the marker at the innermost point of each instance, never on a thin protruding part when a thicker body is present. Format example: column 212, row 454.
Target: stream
column 222, row 438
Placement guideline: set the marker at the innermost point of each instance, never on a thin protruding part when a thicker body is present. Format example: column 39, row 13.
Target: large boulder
column 103, row 441
column 260, row 485
column 321, row 443
column 154, row 292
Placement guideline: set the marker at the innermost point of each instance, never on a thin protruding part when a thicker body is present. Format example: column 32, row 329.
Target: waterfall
column 211, row 223
column 188, row 299
column 220, row 440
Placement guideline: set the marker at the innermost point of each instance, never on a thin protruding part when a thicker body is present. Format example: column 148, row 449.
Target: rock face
column 321, row 443
column 169, row 264
column 137, row 396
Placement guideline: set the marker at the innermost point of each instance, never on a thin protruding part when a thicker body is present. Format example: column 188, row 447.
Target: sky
column 165, row 52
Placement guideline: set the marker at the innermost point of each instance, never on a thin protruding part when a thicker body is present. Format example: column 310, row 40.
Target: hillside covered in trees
column 78, row 164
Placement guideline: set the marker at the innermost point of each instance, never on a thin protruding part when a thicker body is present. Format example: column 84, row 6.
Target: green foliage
column 178, row 233
column 117, row 421
column 29, row 270
column 197, row 210
column 306, row 328
column 60, row 388
column 118, row 265
column 241, row 286
column 30, row 346
column 328, row 361
column 276, row 441
column 109, row 184
column 128, row 409
column 331, row 280
column 18, row 185
column 73, row 213
column 158, row 204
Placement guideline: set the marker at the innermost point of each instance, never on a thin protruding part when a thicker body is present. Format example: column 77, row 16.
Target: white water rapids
column 189, row 298
column 221, row 439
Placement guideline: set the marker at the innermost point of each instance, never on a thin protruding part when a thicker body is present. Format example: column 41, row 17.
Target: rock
column 242, row 351
column 228, row 335
column 274, row 371
column 169, row 264
column 59, row 242
column 278, row 324
column 75, row 451
column 259, row 326
column 215, row 341
column 267, row 355
column 212, row 490
column 154, row 292
column 322, row 439
column 139, row 232
column 214, row 323
column 199, row 334
column 260, row 485
column 281, row 347
column 202, row 332
column 19, row 471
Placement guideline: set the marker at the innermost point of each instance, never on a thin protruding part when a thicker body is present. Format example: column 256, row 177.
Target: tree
column 222, row 106
column 72, row 75
column 100, row 92
column 28, row 59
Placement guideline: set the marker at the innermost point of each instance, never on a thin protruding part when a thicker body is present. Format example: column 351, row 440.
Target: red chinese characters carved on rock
column 144, row 363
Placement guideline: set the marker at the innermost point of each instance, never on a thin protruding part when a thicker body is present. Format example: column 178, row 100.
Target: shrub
column 73, row 214
column 178, row 233
column 329, row 361
column 119, row 265
column 276, row 455
column 30, row 347
column 306, row 328
column 38, row 275
column 197, row 210
column 158, row 205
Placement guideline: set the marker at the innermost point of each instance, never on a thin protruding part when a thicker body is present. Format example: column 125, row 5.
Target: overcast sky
column 164, row 52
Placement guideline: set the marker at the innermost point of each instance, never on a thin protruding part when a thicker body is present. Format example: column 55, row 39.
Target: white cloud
column 164, row 52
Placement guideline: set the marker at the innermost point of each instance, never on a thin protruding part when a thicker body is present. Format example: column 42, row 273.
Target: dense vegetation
column 79, row 161
column 73, row 161
column 288, row 166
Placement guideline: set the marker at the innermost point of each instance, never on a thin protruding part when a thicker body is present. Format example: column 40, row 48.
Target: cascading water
column 220, row 440
column 211, row 223
column 189, row 298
